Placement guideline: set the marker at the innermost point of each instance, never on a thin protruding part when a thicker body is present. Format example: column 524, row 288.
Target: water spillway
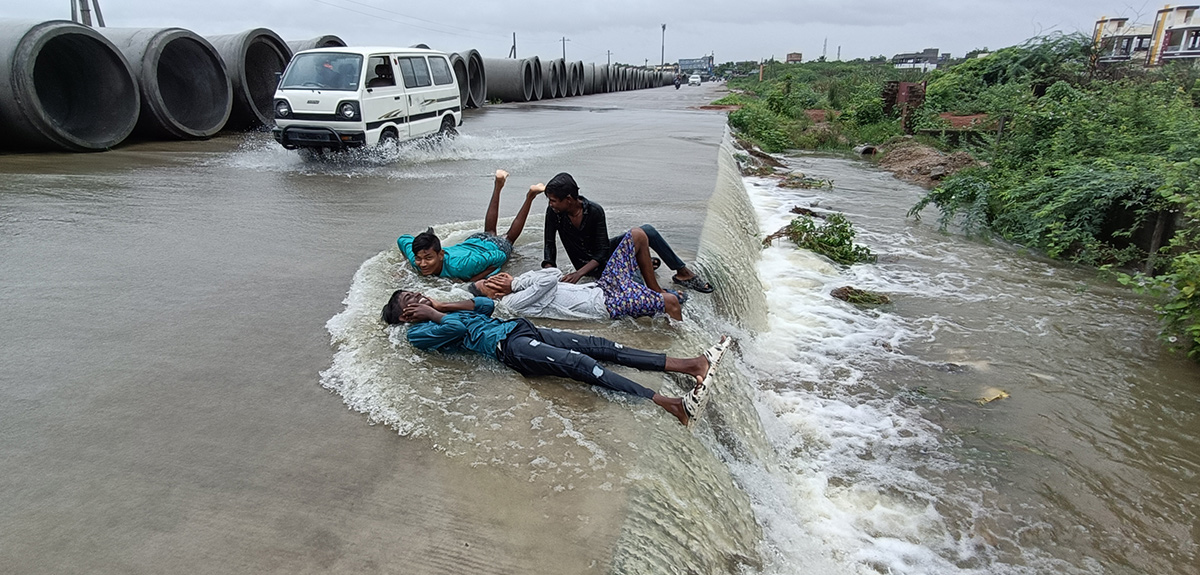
column 253, row 60
column 185, row 92
column 64, row 86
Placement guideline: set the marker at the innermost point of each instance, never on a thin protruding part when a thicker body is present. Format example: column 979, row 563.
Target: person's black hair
column 472, row 289
column 426, row 240
column 393, row 309
column 562, row 186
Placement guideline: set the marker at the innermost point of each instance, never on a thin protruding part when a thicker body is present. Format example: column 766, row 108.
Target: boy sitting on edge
column 532, row 351
column 476, row 257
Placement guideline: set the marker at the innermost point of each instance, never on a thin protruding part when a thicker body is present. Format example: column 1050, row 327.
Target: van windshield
column 323, row 71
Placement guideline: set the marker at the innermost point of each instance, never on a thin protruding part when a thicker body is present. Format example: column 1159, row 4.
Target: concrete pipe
column 589, row 79
column 509, row 80
column 550, row 79
column 535, row 64
column 578, row 67
column 607, row 73
column 254, row 59
column 476, row 79
column 575, row 78
column 564, row 78
column 460, row 74
column 570, row 80
column 326, row 41
column 185, row 92
column 63, row 85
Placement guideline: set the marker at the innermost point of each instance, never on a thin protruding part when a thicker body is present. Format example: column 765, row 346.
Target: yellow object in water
column 992, row 394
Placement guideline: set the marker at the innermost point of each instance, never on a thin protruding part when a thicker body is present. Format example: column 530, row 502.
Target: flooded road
column 193, row 377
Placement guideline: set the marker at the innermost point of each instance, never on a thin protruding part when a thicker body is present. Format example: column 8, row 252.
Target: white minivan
column 342, row 97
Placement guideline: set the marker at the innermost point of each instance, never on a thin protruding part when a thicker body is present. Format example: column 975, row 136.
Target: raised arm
column 550, row 248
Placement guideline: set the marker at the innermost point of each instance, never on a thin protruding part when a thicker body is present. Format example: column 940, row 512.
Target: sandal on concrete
column 695, row 282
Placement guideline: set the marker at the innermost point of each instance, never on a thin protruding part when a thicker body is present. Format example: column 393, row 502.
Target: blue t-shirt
column 473, row 331
column 463, row 260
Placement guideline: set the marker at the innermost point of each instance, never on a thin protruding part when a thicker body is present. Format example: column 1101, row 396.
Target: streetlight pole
column 663, row 62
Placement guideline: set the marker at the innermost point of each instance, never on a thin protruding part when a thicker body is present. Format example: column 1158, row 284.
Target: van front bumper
column 293, row 137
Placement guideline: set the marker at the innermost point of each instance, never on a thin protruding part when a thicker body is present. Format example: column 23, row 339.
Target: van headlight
column 348, row 111
column 282, row 109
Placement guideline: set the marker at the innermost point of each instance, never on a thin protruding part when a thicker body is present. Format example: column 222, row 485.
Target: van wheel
column 389, row 139
column 448, row 130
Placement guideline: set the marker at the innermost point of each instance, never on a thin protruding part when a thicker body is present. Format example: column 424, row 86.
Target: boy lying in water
column 533, row 351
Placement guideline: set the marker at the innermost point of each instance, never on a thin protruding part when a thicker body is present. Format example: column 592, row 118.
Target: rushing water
column 166, row 356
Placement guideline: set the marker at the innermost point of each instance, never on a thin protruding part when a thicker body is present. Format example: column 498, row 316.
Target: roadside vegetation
column 1098, row 165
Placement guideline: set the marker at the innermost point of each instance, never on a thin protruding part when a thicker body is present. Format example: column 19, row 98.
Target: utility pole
column 83, row 8
column 839, row 53
column 824, row 47
column 513, row 52
column 663, row 56
column 564, row 43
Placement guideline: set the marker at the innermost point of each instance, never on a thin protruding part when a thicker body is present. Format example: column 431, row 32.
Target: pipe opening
column 194, row 90
column 263, row 61
column 85, row 89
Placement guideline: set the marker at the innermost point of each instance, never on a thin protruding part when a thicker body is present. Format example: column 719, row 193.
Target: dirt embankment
column 917, row 163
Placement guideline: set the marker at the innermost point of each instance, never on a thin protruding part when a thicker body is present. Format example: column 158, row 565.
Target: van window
column 379, row 72
column 441, row 70
column 415, row 72
column 323, row 70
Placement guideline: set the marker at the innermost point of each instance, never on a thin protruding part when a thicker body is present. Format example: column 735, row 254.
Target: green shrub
column 834, row 239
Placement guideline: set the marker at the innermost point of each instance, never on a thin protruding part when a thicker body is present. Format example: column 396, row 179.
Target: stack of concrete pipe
column 71, row 87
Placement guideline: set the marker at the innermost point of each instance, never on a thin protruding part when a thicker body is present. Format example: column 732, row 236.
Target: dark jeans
column 657, row 244
column 536, row 351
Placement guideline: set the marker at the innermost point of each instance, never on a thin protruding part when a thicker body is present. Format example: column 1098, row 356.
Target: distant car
column 694, row 80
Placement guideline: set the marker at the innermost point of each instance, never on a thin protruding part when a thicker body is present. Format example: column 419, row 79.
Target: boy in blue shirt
column 476, row 257
column 468, row 326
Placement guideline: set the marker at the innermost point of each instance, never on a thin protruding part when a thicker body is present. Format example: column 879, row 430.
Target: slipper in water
column 682, row 297
column 695, row 400
column 695, row 282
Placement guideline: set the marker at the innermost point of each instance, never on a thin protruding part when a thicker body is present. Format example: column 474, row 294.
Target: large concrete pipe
column 253, row 60
column 326, row 41
column 509, row 80
column 569, row 79
column 63, row 85
column 460, row 74
column 607, row 72
column 575, row 86
column 578, row 65
column 550, row 80
column 563, row 78
column 185, row 92
column 535, row 64
column 589, row 79
column 476, row 79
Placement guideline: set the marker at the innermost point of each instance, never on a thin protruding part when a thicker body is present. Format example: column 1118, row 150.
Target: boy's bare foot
column 673, row 405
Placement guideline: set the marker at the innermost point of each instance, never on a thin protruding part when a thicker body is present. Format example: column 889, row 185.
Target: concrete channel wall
column 66, row 86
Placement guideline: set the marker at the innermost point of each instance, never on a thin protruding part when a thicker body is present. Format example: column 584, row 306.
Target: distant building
column 1119, row 41
column 1175, row 35
column 925, row 60
column 795, row 57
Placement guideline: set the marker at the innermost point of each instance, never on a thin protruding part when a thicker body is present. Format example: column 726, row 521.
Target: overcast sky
column 630, row 29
